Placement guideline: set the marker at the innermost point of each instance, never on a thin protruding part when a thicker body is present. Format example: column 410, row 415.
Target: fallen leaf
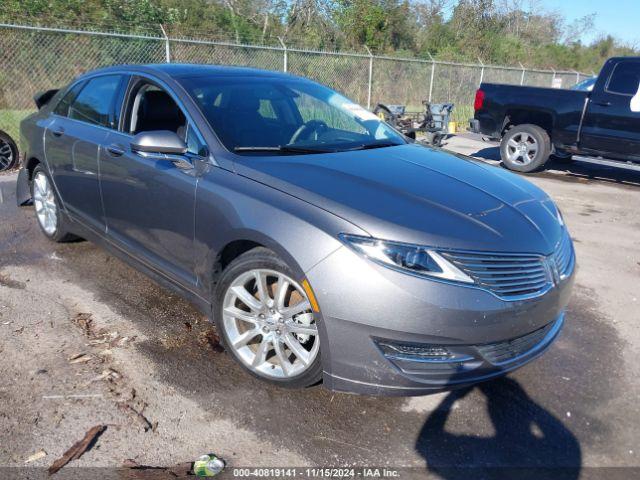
column 212, row 339
column 82, row 358
column 106, row 374
column 84, row 321
column 36, row 456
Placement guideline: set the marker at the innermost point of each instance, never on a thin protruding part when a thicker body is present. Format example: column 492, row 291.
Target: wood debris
column 78, row 448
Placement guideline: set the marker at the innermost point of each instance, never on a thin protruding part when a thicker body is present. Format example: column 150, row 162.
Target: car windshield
column 585, row 85
column 275, row 116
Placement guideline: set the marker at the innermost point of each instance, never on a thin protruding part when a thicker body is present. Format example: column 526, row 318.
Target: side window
column 94, row 102
column 151, row 108
column 62, row 108
column 625, row 78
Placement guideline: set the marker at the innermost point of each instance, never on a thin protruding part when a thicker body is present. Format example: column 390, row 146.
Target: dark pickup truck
column 601, row 126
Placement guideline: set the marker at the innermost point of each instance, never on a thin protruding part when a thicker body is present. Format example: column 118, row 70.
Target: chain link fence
column 33, row 59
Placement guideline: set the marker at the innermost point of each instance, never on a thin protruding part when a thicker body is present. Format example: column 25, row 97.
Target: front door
column 611, row 126
column 149, row 202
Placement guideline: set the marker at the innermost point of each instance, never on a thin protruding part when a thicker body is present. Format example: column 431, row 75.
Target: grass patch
column 10, row 121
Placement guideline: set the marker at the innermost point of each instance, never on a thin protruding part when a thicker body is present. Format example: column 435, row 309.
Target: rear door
column 79, row 127
column 611, row 127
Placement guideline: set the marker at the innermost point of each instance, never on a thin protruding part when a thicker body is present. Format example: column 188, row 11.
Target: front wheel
column 525, row 148
column 266, row 320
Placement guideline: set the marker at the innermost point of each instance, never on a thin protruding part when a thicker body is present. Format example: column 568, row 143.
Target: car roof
column 190, row 70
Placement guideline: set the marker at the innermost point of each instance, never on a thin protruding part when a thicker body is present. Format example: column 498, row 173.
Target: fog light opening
column 434, row 353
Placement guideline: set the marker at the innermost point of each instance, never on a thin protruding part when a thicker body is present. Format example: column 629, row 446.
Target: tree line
column 495, row 31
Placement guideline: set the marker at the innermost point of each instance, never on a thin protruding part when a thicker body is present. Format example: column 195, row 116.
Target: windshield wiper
column 369, row 146
column 281, row 148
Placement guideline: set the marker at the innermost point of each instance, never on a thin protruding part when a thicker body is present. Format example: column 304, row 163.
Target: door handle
column 57, row 132
column 115, row 150
column 603, row 103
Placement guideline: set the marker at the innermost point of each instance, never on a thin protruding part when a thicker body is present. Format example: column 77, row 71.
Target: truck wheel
column 525, row 148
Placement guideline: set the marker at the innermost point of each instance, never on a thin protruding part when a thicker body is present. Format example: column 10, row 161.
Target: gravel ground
column 86, row 340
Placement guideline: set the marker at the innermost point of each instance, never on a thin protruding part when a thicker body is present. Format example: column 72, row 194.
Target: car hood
column 420, row 195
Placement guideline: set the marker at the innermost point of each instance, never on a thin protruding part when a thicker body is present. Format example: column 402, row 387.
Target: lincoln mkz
column 323, row 244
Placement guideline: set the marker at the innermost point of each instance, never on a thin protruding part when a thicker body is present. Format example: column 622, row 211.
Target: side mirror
column 162, row 142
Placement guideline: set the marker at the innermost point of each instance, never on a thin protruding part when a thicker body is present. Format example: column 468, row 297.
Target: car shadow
column 529, row 442
column 572, row 171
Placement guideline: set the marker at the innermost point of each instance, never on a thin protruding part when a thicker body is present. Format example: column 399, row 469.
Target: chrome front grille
column 513, row 275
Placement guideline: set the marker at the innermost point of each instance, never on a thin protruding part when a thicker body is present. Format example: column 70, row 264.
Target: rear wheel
column 51, row 218
column 266, row 321
column 525, row 148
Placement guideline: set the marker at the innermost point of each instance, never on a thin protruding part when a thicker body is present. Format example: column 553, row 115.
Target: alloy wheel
column 522, row 148
column 6, row 155
column 269, row 324
column 45, row 203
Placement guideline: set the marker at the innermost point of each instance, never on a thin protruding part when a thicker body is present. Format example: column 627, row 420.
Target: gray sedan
column 322, row 243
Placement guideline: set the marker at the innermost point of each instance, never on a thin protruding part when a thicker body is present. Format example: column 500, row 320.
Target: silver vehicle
column 322, row 243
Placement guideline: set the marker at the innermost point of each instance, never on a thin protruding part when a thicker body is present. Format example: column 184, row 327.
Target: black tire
column 526, row 135
column 8, row 152
column 62, row 232
column 260, row 258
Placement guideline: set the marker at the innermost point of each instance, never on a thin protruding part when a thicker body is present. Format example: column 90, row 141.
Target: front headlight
column 405, row 257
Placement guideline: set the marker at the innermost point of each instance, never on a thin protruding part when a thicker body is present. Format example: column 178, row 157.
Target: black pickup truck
column 601, row 126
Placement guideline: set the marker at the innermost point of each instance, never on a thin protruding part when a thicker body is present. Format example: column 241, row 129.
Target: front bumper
column 366, row 307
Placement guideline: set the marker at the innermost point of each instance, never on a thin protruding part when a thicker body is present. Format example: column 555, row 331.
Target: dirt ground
column 86, row 340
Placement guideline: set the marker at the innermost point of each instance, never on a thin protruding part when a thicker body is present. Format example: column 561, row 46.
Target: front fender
column 230, row 208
